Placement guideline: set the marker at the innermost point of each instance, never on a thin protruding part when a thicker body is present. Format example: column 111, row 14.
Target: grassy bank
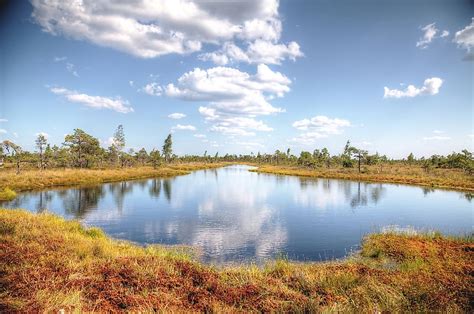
column 36, row 179
column 436, row 178
column 48, row 264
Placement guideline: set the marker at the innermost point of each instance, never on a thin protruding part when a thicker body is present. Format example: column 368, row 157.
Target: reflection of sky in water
column 231, row 214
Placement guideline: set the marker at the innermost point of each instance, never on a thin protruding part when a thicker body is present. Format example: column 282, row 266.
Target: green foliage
column 155, row 158
column 85, row 148
column 168, row 148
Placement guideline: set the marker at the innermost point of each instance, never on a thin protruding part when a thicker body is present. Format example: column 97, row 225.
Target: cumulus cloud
column 259, row 51
column 465, row 39
column 149, row 29
column 98, row 102
column 430, row 32
column 152, row 89
column 235, row 98
column 200, row 135
column 318, row 127
column 445, row 33
column 430, row 86
column 3, row 120
column 3, row 131
column 180, row 127
column 176, row 115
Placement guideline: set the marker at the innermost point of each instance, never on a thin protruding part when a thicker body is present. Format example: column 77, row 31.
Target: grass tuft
column 7, row 194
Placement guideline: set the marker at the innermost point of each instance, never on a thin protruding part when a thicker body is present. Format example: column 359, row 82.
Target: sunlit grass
column 48, row 264
column 32, row 179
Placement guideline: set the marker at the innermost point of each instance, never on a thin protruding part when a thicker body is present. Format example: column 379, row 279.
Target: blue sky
column 240, row 77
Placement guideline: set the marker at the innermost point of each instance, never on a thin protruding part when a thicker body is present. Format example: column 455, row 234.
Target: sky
column 392, row 77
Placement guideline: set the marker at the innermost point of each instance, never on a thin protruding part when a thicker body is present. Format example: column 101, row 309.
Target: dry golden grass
column 404, row 174
column 33, row 179
column 48, row 264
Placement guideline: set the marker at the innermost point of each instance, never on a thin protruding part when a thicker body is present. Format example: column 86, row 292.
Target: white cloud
column 235, row 98
column 46, row 135
column 149, row 29
column 438, row 132
column 318, row 127
column 3, row 120
column 200, row 135
column 259, row 51
column 97, row 102
column 131, row 83
column 445, row 33
column 176, row 115
column 15, row 134
column 183, row 128
column 60, row 59
column 153, row 89
column 3, row 131
column 71, row 69
column 465, row 39
column 436, row 138
column 430, row 86
column 429, row 34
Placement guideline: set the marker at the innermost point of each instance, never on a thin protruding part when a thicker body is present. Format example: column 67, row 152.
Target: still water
column 231, row 214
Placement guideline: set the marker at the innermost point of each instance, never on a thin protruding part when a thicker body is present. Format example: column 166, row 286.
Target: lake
column 233, row 215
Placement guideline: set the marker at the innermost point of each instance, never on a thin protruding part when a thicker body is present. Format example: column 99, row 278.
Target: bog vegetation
column 48, row 264
column 81, row 150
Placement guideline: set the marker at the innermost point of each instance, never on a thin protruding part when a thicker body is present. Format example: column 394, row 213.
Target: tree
column 41, row 143
column 326, row 157
column 360, row 155
column 142, row 156
column 155, row 158
column 15, row 151
column 306, row 159
column 411, row 158
column 84, row 148
column 119, row 143
column 346, row 156
column 168, row 148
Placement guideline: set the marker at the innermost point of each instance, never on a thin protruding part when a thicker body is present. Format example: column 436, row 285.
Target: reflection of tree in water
column 155, row 188
column 44, row 199
column 469, row 196
column 157, row 185
column 167, row 188
column 356, row 193
column 142, row 184
column 427, row 190
column 119, row 190
column 79, row 202
column 366, row 192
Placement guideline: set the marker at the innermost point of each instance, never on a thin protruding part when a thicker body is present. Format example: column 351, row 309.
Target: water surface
column 231, row 214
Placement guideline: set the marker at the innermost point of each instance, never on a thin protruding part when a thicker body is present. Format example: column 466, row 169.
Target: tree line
column 82, row 150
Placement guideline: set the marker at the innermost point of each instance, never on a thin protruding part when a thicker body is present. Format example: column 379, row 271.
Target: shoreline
column 426, row 182
column 37, row 180
column 50, row 264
